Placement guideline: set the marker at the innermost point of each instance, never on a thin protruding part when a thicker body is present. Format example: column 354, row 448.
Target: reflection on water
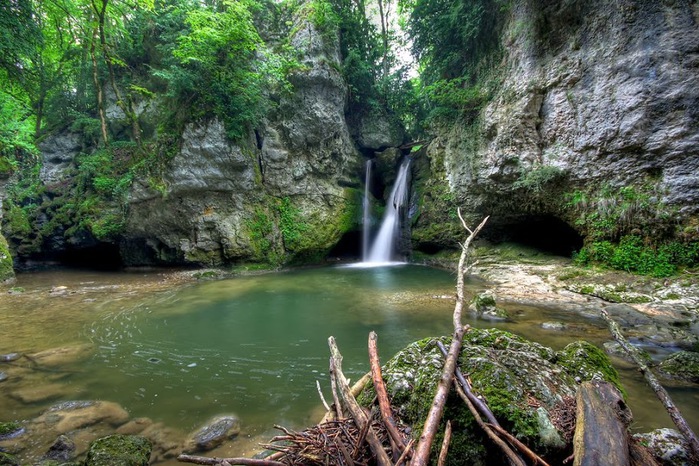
column 254, row 346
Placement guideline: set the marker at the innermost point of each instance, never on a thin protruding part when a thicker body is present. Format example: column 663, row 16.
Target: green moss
column 8, row 460
column 6, row 269
column 123, row 450
column 586, row 361
column 7, row 428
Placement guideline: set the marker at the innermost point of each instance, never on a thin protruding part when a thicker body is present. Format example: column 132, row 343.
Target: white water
column 366, row 205
column 382, row 251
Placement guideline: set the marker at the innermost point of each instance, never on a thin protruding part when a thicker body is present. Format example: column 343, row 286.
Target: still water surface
column 255, row 346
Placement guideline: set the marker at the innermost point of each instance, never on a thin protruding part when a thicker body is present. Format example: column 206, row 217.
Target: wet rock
column 122, row 450
column 62, row 356
column 9, row 357
column 58, row 291
column 558, row 326
column 526, row 385
column 62, row 449
column 73, row 415
column 135, row 426
column 683, row 365
column 43, row 392
column 668, row 446
column 485, row 307
column 214, row 433
column 3, row 376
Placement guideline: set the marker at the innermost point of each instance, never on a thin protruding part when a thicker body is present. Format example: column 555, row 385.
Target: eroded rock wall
column 595, row 121
column 287, row 193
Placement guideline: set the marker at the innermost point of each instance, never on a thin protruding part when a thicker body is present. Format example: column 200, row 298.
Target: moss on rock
column 122, row 450
column 683, row 365
column 7, row 272
column 522, row 381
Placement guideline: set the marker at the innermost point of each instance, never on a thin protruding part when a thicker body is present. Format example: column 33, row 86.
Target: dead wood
column 230, row 461
column 384, row 404
column 466, row 387
column 515, row 442
column 353, row 407
column 600, row 435
column 506, row 449
column 442, row 459
column 422, row 451
column 660, row 392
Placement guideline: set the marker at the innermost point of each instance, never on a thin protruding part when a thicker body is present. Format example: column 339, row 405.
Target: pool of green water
column 255, row 346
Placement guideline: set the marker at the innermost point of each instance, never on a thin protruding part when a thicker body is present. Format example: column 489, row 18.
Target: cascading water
column 366, row 205
column 383, row 248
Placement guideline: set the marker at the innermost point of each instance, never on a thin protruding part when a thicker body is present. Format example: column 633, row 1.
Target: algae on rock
column 524, row 383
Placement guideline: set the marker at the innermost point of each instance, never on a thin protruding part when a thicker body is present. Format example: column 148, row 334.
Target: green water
column 255, row 346
column 252, row 346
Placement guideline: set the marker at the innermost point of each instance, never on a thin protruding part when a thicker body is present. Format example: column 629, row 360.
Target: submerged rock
column 72, row 415
column 529, row 388
column 122, row 450
column 214, row 433
column 62, row 449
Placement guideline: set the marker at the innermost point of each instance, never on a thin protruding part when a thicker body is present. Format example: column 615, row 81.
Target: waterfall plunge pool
column 253, row 346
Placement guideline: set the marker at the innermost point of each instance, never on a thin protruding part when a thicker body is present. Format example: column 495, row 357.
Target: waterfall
column 382, row 250
column 366, row 205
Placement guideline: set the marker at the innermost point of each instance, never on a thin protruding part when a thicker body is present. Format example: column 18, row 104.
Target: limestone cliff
column 594, row 124
column 283, row 195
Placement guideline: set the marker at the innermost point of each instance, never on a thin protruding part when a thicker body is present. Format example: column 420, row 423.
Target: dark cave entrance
column 545, row 233
column 101, row 256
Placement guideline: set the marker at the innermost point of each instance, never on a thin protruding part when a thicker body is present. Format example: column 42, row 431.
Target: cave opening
column 101, row 256
column 545, row 233
column 349, row 248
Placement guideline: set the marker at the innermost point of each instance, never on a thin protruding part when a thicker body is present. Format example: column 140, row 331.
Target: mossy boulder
column 683, row 365
column 7, row 272
column 119, row 450
column 485, row 307
column 529, row 388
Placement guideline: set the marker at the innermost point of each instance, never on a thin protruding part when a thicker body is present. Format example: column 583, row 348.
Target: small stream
column 180, row 353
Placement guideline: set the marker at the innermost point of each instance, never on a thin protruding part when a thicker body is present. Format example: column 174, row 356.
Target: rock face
column 283, row 191
column 595, row 119
column 529, row 388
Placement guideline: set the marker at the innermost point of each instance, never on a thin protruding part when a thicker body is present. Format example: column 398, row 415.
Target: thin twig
column 525, row 450
column 322, row 398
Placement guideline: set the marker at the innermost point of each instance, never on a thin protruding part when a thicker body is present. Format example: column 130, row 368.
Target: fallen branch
column 660, row 392
column 355, row 410
column 422, row 451
column 231, row 461
column 509, row 453
column 514, row 441
column 382, row 395
column 441, row 461
column 466, row 387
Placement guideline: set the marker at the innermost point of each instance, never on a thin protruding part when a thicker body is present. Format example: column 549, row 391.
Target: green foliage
column 16, row 129
column 631, row 254
column 608, row 213
column 539, row 179
column 291, row 224
column 261, row 234
column 218, row 53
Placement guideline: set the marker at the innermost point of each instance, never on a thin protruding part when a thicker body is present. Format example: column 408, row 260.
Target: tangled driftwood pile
column 351, row 435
